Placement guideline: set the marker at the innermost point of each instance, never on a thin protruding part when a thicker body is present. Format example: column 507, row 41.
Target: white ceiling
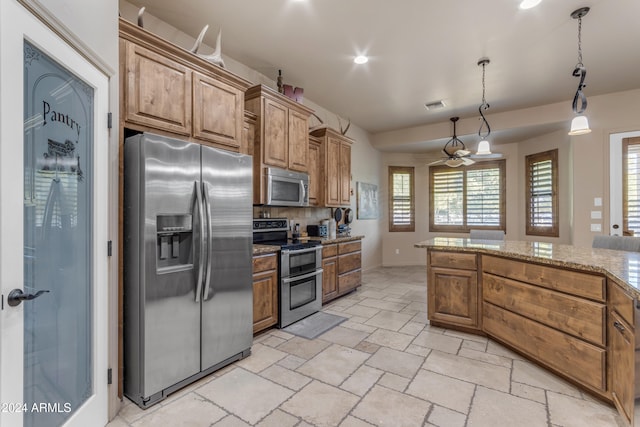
column 422, row 51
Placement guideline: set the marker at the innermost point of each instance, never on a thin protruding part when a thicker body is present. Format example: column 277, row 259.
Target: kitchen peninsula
column 570, row 309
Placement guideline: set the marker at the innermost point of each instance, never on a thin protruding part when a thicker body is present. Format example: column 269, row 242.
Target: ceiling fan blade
column 467, row 161
column 462, row 153
column 437, row 162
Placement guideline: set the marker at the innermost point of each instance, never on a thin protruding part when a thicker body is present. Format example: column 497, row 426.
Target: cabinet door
column 218, row 111
column 248, row 136
column 453, row 296
column 265, row 300
column 298, row 141
column 157, row 91
column 332, row 189
column 621, row 364
column 275, row 126
column 345, row 174
column 329, row 279
column 315, row 174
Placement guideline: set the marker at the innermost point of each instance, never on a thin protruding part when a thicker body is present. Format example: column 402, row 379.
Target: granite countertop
column 265, row 249
column 339, row 239
column 619, row 265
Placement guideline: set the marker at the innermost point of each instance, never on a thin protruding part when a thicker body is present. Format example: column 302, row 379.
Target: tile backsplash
column 302, row 216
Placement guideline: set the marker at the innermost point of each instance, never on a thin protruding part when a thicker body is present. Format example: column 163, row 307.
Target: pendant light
column 580, row 124
column 483, row 146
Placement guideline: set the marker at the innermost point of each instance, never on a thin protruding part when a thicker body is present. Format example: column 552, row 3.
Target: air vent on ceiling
column 435, row 105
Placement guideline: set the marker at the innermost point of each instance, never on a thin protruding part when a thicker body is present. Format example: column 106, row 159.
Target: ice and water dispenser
column 174, row 243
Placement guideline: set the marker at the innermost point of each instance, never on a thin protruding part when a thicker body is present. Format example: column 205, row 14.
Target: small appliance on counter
column 317, row 230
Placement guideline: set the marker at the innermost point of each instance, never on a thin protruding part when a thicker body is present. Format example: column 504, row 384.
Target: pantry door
column 53, row 228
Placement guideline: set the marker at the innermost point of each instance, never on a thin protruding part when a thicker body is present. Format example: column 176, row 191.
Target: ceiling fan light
column 483, row 148
column 579, row 126
column 454, row 163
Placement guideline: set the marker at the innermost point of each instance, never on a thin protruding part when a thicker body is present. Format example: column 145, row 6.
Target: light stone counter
column 264, row 249
column 621, row 266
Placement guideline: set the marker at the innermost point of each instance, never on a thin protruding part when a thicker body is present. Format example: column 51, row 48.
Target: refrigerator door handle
column 201, row 243
column 207, row 214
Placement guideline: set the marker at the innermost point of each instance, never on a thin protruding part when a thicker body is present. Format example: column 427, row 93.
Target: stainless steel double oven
column 300, row 270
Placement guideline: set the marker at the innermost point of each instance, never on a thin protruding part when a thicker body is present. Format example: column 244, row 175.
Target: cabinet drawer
column 265, row 263
column 345, row 248
column 621, row 302
column 570, row 356
column 349, row 281
column 349, row 262
column 329, row 251
column 572, row 282
column 453, row 260
column 576, row 316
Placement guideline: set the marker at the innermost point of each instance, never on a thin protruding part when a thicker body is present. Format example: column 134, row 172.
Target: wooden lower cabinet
column 265, row 291
column 342, row 264
column 622, row 364
column 452, row 287
column 567, row 355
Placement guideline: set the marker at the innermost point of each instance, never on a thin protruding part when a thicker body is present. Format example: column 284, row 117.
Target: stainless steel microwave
column 286, row 188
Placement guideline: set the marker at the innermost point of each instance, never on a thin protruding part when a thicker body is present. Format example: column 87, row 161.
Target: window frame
column 626, row 142
column 410, row 170
column 464, row 228
column 539, row 230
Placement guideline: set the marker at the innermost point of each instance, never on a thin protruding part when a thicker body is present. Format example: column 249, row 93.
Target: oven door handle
column 304, row 276
column 301, row 251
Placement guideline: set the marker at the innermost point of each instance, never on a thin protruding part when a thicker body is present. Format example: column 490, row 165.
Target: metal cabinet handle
column 618, row 326
column 16, row 297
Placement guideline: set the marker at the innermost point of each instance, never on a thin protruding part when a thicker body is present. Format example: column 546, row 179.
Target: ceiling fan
column 455, row 151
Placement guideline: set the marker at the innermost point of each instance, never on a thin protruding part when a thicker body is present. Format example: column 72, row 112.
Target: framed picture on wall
column 367, row 200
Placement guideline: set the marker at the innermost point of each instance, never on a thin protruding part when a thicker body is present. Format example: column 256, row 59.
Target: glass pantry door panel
column 58, row 199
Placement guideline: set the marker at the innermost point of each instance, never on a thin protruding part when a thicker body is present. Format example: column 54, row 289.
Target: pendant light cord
column 580, row 71
column 484, row 105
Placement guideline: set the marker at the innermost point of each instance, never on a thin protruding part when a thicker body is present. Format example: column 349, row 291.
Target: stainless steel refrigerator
column 188, row 304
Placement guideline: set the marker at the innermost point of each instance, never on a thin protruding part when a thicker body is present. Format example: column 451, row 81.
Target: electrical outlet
column 397, row 251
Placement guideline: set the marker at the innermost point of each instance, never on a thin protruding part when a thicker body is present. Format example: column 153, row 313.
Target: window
column 401, row 199
column 542, row 194
column 631, row 186
column 467, row 197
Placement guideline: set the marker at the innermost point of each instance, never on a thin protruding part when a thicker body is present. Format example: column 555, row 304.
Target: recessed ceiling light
column 360, row 59
column 528, row 4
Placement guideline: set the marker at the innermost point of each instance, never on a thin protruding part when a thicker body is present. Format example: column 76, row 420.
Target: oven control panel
column 270, row 224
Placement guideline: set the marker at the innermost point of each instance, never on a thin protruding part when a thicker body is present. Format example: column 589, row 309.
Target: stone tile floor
column 385, row 366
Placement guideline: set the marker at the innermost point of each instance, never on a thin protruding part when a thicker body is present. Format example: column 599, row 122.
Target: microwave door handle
column 201, row 242
column 304, row 276
column 207, row 213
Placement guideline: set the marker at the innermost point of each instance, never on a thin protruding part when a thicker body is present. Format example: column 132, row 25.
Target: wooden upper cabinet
column 275, row 141
column 315, row 172
column 248, row 133
column 345, row 173
column 298, row 141
column 169, row 90
column 218, row 111
column 336, row 154
column 282, row 138
column 158, row 91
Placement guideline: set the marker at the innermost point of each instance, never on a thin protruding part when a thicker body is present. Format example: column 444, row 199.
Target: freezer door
column 227, row 306
column 162, row 315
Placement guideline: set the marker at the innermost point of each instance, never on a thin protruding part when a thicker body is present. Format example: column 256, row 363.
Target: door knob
column 16, row 296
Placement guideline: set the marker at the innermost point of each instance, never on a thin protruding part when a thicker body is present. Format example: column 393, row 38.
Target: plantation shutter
column 542, row 204
column 401, row 199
